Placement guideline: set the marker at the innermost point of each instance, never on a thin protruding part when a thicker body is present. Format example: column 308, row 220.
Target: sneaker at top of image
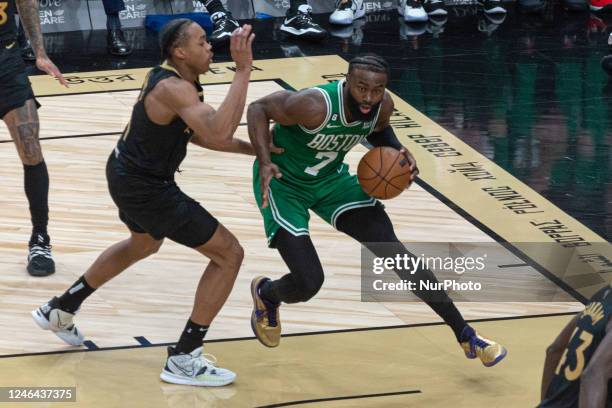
column 223, row 27
column 347, row 11
column 300, row 24
column 435, row 8
column 492, row 6
column 412, row 11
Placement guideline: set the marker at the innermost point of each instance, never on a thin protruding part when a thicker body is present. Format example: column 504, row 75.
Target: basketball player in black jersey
column 578, row 366
column 168, row 114
column 18, row 111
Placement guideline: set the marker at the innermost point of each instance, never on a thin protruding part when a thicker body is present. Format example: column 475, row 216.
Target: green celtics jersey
column 314, row 154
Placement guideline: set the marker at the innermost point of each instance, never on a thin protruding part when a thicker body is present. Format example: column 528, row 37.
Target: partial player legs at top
column 23, row 126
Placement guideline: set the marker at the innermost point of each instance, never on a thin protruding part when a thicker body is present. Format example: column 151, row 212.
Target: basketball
column 384, row 173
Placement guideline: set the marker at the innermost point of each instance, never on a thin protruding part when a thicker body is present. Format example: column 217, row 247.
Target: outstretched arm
column 594, row 379
column 214, row 128
column 28, row 13
column 307, row 108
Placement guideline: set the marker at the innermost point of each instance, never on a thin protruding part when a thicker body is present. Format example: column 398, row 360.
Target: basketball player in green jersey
column 578, row 366
column 316, row 127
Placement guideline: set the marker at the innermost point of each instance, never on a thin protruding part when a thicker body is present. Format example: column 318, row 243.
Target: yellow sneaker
column 265, row 319
column 488, row 351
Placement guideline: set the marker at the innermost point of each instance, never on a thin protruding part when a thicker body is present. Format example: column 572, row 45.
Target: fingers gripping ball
column 384, row 173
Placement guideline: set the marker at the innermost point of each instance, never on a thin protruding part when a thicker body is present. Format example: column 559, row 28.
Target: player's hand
column 266, row 173
column 241, row 47
column 46, row 65
column 412, row 161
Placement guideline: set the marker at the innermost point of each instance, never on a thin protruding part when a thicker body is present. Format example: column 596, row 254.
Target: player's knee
column 237, row 254
column 309, row 284
column 232, row 256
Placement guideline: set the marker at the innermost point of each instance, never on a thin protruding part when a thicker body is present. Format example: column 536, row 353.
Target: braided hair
column 172, row 35
column 369, row 62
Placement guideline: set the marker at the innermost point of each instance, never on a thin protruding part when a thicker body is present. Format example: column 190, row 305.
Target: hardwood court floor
column 153, row 298
column 423, row 366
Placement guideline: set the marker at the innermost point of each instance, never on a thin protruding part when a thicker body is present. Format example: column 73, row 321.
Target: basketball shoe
column 223, row 27
column 412, row 11
column 347, row 11
column 194, row 369
column 40, row 261
column 435, row 8
column 265, row 319
column 50, row 317
column 474, row 345
column 300, row 24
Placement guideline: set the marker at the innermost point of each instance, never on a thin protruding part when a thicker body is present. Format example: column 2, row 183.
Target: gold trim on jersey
column 595, row 311
column 165, row 65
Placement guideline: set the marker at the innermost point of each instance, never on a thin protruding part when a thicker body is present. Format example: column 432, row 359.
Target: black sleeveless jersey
column 564, row 388
column 151, row 149
column 8, row 30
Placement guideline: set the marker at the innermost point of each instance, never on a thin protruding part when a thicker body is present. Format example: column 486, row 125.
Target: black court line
column 512, row 265
column 350, row 397
column 315, row 333
column 85, row 135
column 530, row 262
column 204, row 84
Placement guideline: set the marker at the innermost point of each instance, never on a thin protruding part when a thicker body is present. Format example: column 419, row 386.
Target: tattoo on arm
column 28, row 13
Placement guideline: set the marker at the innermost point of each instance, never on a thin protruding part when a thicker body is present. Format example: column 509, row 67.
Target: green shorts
column 291, row 198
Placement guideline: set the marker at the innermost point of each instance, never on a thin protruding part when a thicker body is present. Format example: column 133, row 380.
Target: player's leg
column 303, row 281
column 286, row 224
column 23, row 125
column 185, row 363
column 57, row 314
column 371, row 225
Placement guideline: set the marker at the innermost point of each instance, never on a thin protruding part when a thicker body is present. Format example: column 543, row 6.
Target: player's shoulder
column 306, row 100
column 175, row 89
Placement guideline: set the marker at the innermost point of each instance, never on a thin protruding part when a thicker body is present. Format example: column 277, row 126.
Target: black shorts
column 157, row 207
column 15, row 88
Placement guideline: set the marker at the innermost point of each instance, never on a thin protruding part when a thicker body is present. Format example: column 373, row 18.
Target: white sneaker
column 59, row 322
column 194, row 369
column 412, row 10
column 347, row 11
